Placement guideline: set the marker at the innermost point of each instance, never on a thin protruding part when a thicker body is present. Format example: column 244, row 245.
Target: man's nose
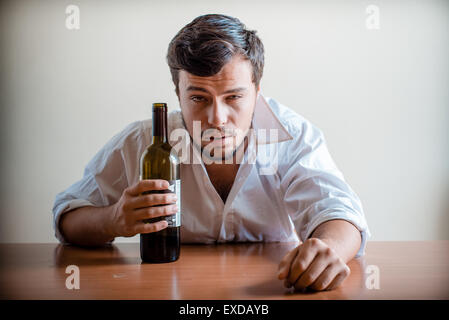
column 217, row 115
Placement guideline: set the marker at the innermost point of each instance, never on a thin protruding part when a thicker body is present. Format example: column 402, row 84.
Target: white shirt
column 285, row 190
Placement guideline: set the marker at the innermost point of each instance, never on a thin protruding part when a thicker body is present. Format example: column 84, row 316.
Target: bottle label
column 175, row 219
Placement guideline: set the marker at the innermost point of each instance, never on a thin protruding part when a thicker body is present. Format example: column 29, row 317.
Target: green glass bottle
column 160, row 161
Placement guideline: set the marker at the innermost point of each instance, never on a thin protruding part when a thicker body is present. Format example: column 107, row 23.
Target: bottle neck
column 159, row 125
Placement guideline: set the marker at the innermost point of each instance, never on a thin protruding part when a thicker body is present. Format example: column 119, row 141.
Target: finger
column 284, row 265
column 309, row 276
column 150, row 227
column 302, row 262
column 338, row 280
column 147, row 185
column 149, row 200
column 153, row 212
column 326, row 277
column 287, row 284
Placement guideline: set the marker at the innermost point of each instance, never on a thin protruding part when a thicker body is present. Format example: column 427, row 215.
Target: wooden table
column 407, row 270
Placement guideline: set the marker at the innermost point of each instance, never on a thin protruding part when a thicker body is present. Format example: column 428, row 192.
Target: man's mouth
column 212, row 138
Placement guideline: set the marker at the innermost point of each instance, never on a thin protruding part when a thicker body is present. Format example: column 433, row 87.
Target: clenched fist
column 313, row 264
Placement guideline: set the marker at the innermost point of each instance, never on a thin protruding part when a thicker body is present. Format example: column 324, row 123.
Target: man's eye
column 197, row 99
column 234, row 97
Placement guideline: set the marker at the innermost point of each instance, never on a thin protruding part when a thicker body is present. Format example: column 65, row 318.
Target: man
column 263, row 188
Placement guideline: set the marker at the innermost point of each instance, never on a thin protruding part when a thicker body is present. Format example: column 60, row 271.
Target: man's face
column 223, row 103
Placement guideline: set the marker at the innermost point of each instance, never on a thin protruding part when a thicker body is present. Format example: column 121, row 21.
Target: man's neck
column 222, row 175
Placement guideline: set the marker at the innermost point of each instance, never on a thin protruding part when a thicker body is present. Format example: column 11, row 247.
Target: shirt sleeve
column 113, row 168
column 315, row 190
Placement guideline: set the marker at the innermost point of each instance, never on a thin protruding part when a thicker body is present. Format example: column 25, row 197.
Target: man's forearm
column 342, row 236
column 87, row 226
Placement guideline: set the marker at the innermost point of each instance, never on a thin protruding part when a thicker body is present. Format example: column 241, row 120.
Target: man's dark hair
column 207, row 43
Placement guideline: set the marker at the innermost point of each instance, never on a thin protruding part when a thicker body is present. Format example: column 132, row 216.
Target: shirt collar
column 265, row 118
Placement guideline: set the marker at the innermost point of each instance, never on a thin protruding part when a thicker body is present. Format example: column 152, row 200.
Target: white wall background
column 380, row 96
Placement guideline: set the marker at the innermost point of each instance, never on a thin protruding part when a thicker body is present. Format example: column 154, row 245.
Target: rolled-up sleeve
column 315, row 190
column 107, row 174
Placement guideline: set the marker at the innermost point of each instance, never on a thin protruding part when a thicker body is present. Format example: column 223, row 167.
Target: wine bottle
column 160, row 161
